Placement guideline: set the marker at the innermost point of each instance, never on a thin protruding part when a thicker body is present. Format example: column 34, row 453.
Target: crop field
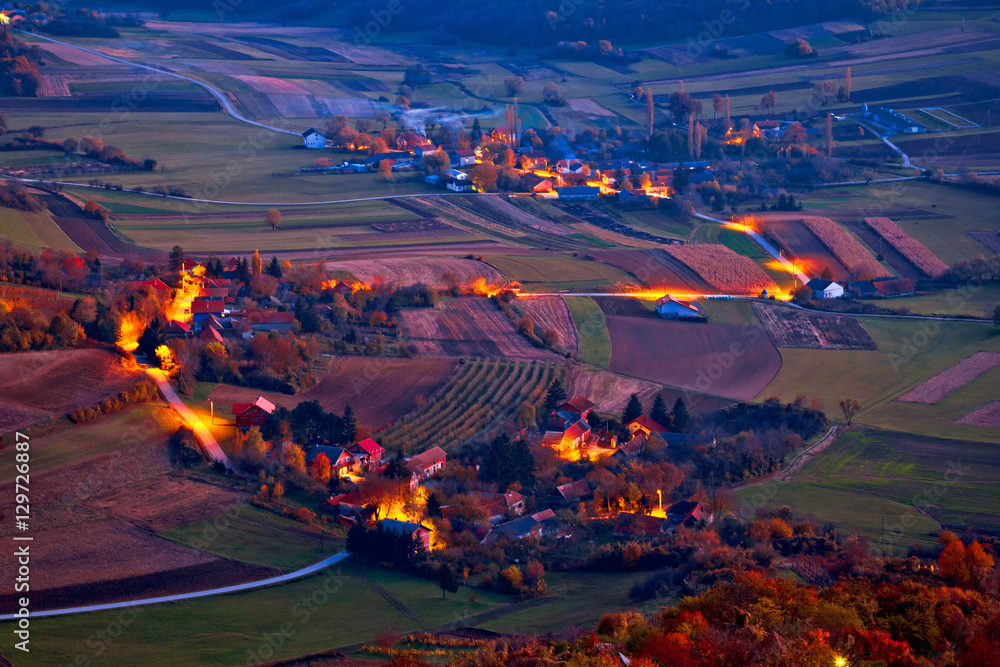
column 551, row 312
column 553, row 272
column 847, row 249
column 592, row 330
column 431, row 271
column 35, row 230
column 37, row 386
column 466, row 326
column 908, row 246
column 719, row 359
column 656, row 269
column 793, row 328
column 811, row 255
column 378, row 389
column 933, row 390
column 625, row 306
column 988, row 415
column 482, row 393
column 723, row 269
column 851, row 481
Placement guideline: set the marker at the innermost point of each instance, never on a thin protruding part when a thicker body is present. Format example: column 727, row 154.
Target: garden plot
column 794, row 328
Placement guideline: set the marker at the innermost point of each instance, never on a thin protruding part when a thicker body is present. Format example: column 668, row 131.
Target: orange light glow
column 166, row 357
column 129, row 330
column 180, row 308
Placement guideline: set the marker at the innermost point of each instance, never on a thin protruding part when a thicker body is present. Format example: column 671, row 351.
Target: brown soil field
column 35, row 386
column 624, row 306
column 504, row 212
column 812, row 254
column 165, row 502
column 551, row 312
column 218, row 572
column 467, row 327
column 433, row 271
column 989, row 238
column 988, row 415
column 933, row 390
column 610, row 391
column 656, row 269
column 721, row 359
column 378, row 389
column 53, row 85
column 89, row 236
column 793, row 328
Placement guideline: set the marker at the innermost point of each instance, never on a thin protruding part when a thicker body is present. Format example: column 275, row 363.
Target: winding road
column 208, row 440
column 236, row 588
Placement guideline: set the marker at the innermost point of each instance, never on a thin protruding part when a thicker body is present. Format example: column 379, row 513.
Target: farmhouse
column 635, row 525
column 536, row 183
column 689, row 513
column 675, row 309
column 574, row 492
column 211, row 335
column 534, row 160
column 825, row 289
column 176, row 329
column 570, row 412
column 463, row 158
column 313, row 138
column 339, row 458
column 424, row 465
column 419, row 533
column 537, row 525
column 252, row 414
column 367, row 454
column 863, row 288
column 644, row 424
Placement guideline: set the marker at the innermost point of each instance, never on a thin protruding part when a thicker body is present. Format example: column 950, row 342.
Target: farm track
column 800, row 459
column 396, row 604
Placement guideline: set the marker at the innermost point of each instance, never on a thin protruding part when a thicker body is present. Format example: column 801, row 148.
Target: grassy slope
column 34, row 230
column 550, row 272
column 595, row 341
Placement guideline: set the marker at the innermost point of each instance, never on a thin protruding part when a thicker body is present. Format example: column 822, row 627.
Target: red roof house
column 211, row 335
column 203, row 306
column 644, row 424
column 426, row 464
column 367, row 453
column 252, row 414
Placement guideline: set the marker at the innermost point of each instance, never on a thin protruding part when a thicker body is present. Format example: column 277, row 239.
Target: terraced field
column 477, row 399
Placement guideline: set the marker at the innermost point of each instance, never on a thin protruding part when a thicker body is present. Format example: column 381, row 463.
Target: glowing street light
column 839, row 661
column 660, row 496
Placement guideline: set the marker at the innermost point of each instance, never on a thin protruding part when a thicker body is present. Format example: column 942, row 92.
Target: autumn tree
column 70, row 145
column 254, row 447
column 319, row 468
column 294, row 459
column 273, row 218
column 256, row 264
column 436, row 162
column 513, row 85
column 682, row 106
column 552, row 95
column 850, row 408
column 385, row 170
column 383, row 117
column 484, row 177
column 768, row 101
column 605, row 48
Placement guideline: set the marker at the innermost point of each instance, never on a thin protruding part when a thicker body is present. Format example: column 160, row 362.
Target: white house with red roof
column 425, row 465
column 644, row 424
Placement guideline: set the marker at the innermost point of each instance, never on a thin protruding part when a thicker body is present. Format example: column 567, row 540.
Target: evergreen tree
column 680, row 416
column 525, row 469
column 176, row 262
column 274, row 267
column 632, row 410
column 307, row 318
column 447, row 580
column 659, row 413
column 150, row 339
column 433, row 505
column 477, row 131
column 349, row 424
column 554, row 396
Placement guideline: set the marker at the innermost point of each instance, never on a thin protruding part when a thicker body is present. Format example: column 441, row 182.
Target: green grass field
column 873, row 377
column 558, row 272
column 592, row 329
column 918, row 483
column 974, row 300
column 34, row 230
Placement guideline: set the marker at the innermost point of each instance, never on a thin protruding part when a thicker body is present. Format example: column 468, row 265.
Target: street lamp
column 212, row 406
column 659, row 494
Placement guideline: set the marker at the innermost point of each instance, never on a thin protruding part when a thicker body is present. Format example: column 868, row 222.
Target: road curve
column 771, row 250
column 216, row 93
column 208, row 440
column 236, row 588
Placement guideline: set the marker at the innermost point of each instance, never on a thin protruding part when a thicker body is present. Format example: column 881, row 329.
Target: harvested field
column 256, row 105
column 988, row 415
column 53, row 85
column 588, row 106
column 909, row 247
column 36, row 386
column 164, row 502
column 215, row 49
column 623, row 306
column 933, row 390
column 655, row 268
column 504, row 212
column 793, row 328
column 723, row 269
column 467, row 327
column 378, row 389
column 366, row 55
column 432, row 271
column 551, row 312
column 848, row 250
column 611, row 391
column 267, row 84
column 73, row 55
column 720, row 359
column 348, row 106
column 989, row 238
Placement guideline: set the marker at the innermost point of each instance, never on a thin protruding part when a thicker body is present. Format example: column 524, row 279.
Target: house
column 420, row 534
column 422, row 149
column 457, row 174
column 570, row 166
column 571, row 411
column 155, row 284
column 536, row 183
column 457, row 185
column 534, row 160
column 576, row 435
column 893, row 287
column 864, row 289
column 643, row 526
column 825, row 289
column 463, row 158
column 426, row 464
column 644, row 424
column 575, row 492
column 537, row 525
column 203, row 306
column 176, row 329
column 689, row 513
column 340, row 458
column 252, row 414
column 242, row 329
column 367, row 454
column 211, row 335
column 269, row 319
column 579, row 192
column 408, row 140
column 514, row 502
column 674, row 309
column 313, row 138
column 633, row 448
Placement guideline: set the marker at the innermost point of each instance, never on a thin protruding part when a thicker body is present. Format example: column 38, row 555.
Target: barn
column 675, row 309
column 312, row 138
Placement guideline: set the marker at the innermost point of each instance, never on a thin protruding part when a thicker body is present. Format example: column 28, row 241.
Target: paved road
column 771, row 250
column 208, row 440
column 216, row 93
column 236, row 588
